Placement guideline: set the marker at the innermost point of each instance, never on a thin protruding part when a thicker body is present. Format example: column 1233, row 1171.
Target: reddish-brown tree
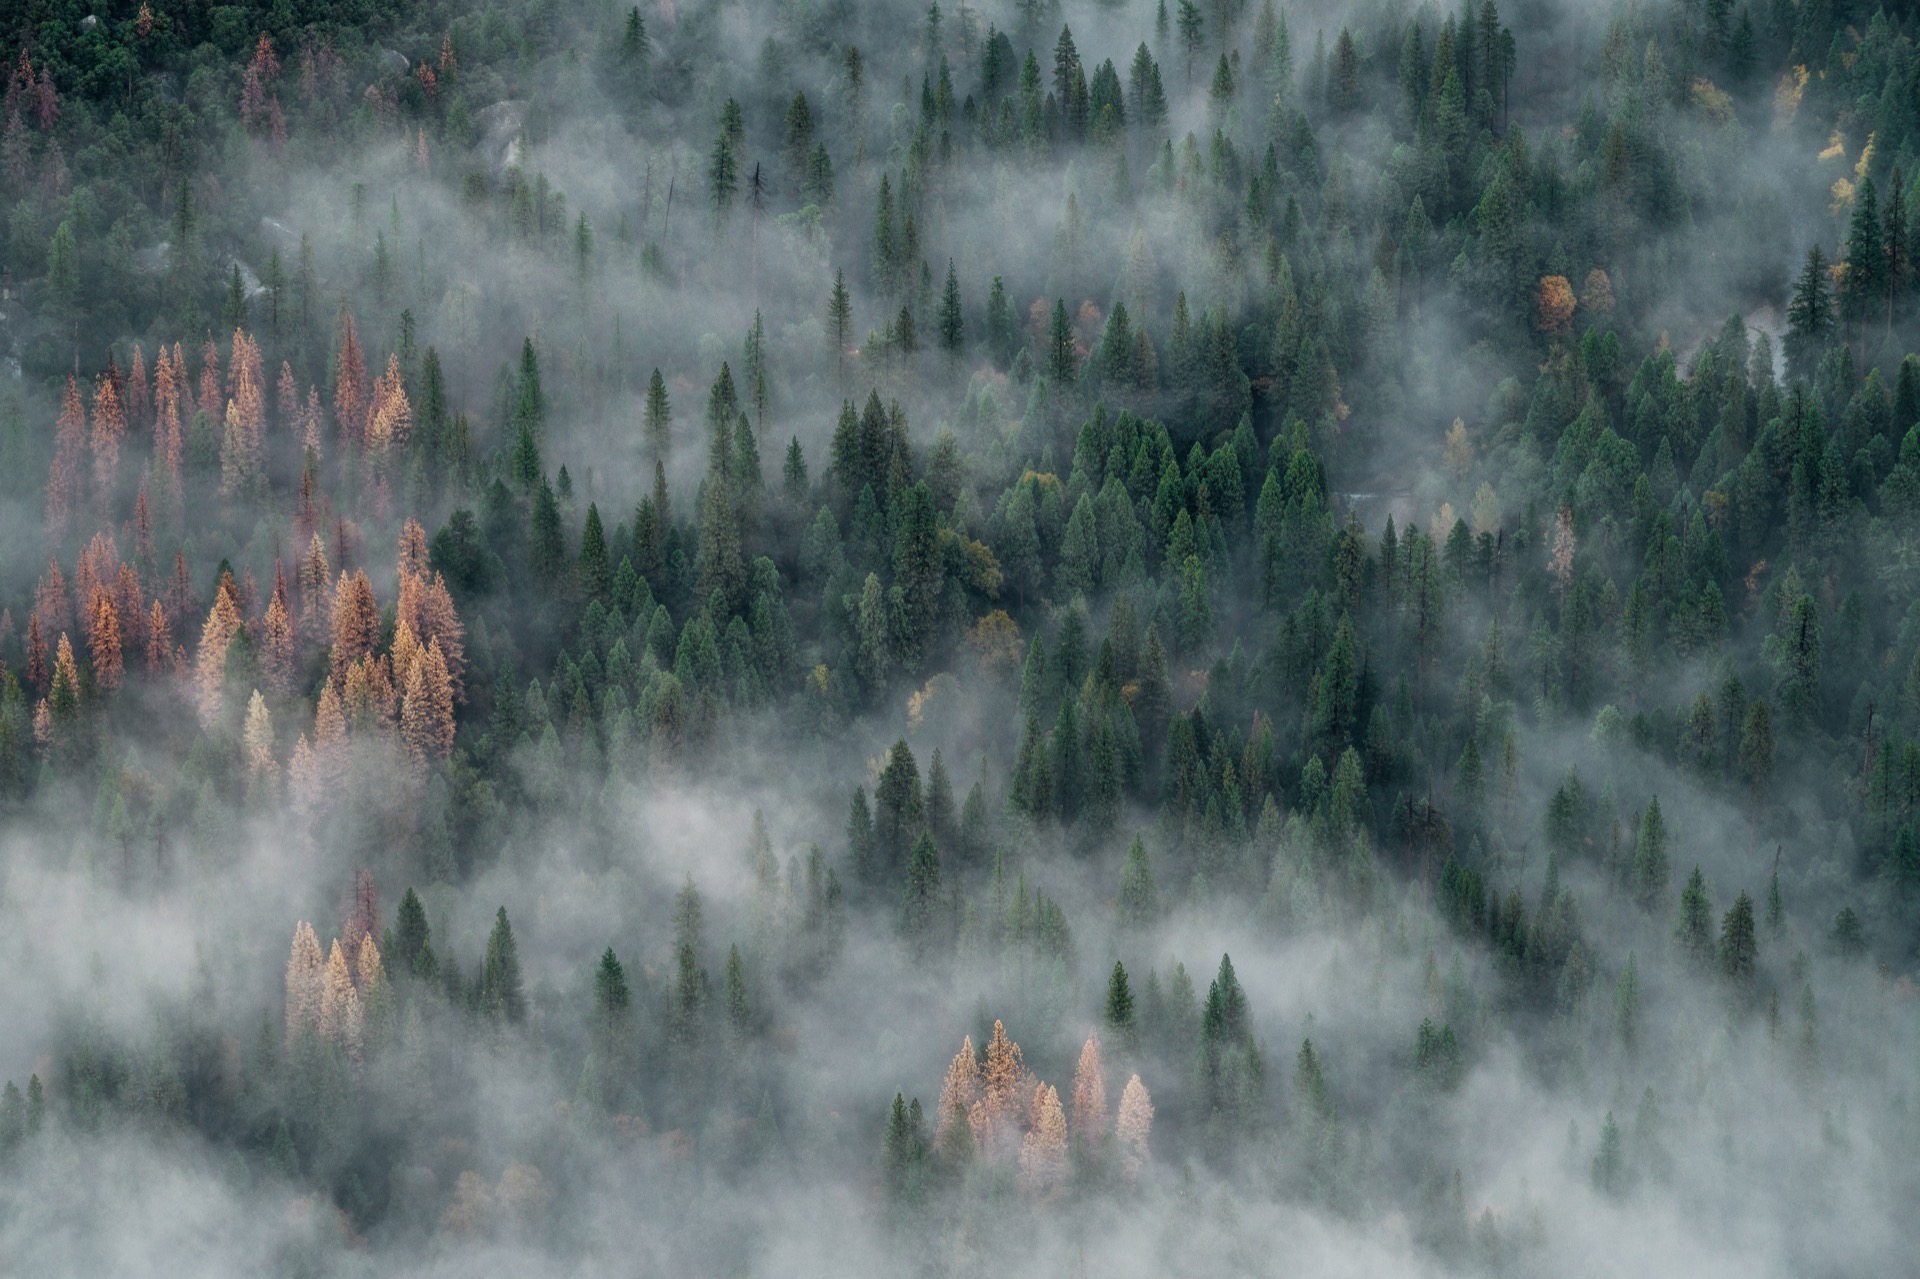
column 356, row 620
column 103, row 641
column 360, row 913
column 962, row 1086
column 180, row 603
column 1043, row 1156
column 212, row 403
column 350, row 385
column 390, row 416
column 210, row 664
column 1133, row 1127
column 159, row 640
column 37, row 674
column 426, row 716
column 1003, row 1084
column 1090, row 1099
column 131, row 601
column 50, row 602
column 304, row 967
column 316, row 600
column 143, row 546
column 69, row 440
column 276, row 646
column 413, row 550
column 287, row 395
column 427, row 608
column 109, row 429
column 139, row 401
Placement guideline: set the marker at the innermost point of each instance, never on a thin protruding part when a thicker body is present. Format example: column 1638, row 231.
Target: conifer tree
column 1134, row 1128
column 1043, row 1154
column 658, row 418
column 920, row 905
column 1739, row 948
column 1650, row 862
column 1695, row 930
column 1139, row 900
column 1001, row 1083
column 1089, row 1126
column 501, row 995
column 304, row 981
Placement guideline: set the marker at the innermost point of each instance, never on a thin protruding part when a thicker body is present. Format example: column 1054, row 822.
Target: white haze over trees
column 1071, row 638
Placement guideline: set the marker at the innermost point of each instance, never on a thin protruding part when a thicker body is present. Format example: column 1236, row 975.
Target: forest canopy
column 1327, row 677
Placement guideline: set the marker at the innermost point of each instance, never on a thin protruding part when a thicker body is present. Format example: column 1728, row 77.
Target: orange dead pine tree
column 276, row 644
column 1002, row 1084
column 139, row 403
column 131, row 602
column 109, row 429
column 316, row 600
column 1090, row 1099
column 390, row 417
column 210, row 663
column 103, row 641
column 50, row 599
column 143, row 546
column 263, row 771
column 69, row 440
column 304, row 967
column 37, row 673
column 350, row 385
column 212, row 403
column 159, row 639
column 427, row 608
column 63, row 692
column 1134, row 1126
column 426, row 715
column 168, row 441
column 1556, row 305
column 356, row 621
column 412, row 557
column 360, row 913
column 962, row 1087
column 1043, row 1156
column 340, row 1002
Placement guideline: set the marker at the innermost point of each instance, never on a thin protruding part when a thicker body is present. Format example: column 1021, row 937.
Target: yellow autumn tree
column 1134, row 1127
column 304, row 980
column 1043, row 1156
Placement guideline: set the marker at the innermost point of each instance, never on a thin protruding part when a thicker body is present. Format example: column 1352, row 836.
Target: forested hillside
column 1069, row 636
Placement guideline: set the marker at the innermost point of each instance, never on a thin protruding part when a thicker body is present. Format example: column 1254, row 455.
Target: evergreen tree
column 1809, row 316
column 500, row 990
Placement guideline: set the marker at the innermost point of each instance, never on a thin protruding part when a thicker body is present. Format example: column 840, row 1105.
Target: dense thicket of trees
column 1433, row 488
